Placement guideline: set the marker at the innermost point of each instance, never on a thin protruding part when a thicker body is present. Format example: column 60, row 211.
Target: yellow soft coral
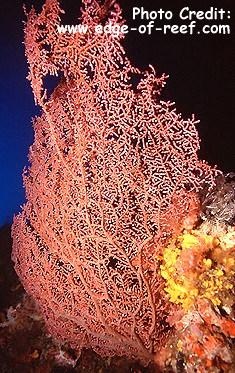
column 180, row 291
column 188, row 240
column 212, row 275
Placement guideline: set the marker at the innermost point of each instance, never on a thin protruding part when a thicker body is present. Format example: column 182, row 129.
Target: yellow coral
column 213, row 275
column 188, row 240
column 207, row 263
column 179, row 291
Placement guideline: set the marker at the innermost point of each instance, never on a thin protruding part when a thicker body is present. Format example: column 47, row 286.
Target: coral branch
column 114, row 172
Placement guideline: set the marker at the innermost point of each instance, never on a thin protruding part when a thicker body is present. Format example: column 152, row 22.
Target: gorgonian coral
column 114, row 174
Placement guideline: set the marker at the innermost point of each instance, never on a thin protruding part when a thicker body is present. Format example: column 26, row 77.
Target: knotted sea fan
column 113, row 174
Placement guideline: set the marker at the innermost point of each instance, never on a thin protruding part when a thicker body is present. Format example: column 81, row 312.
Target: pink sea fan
column 114, row 171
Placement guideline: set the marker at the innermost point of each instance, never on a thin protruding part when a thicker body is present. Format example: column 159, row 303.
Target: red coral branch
column 113, row 173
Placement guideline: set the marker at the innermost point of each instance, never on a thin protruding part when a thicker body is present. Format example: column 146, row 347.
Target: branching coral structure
column 113, row 176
